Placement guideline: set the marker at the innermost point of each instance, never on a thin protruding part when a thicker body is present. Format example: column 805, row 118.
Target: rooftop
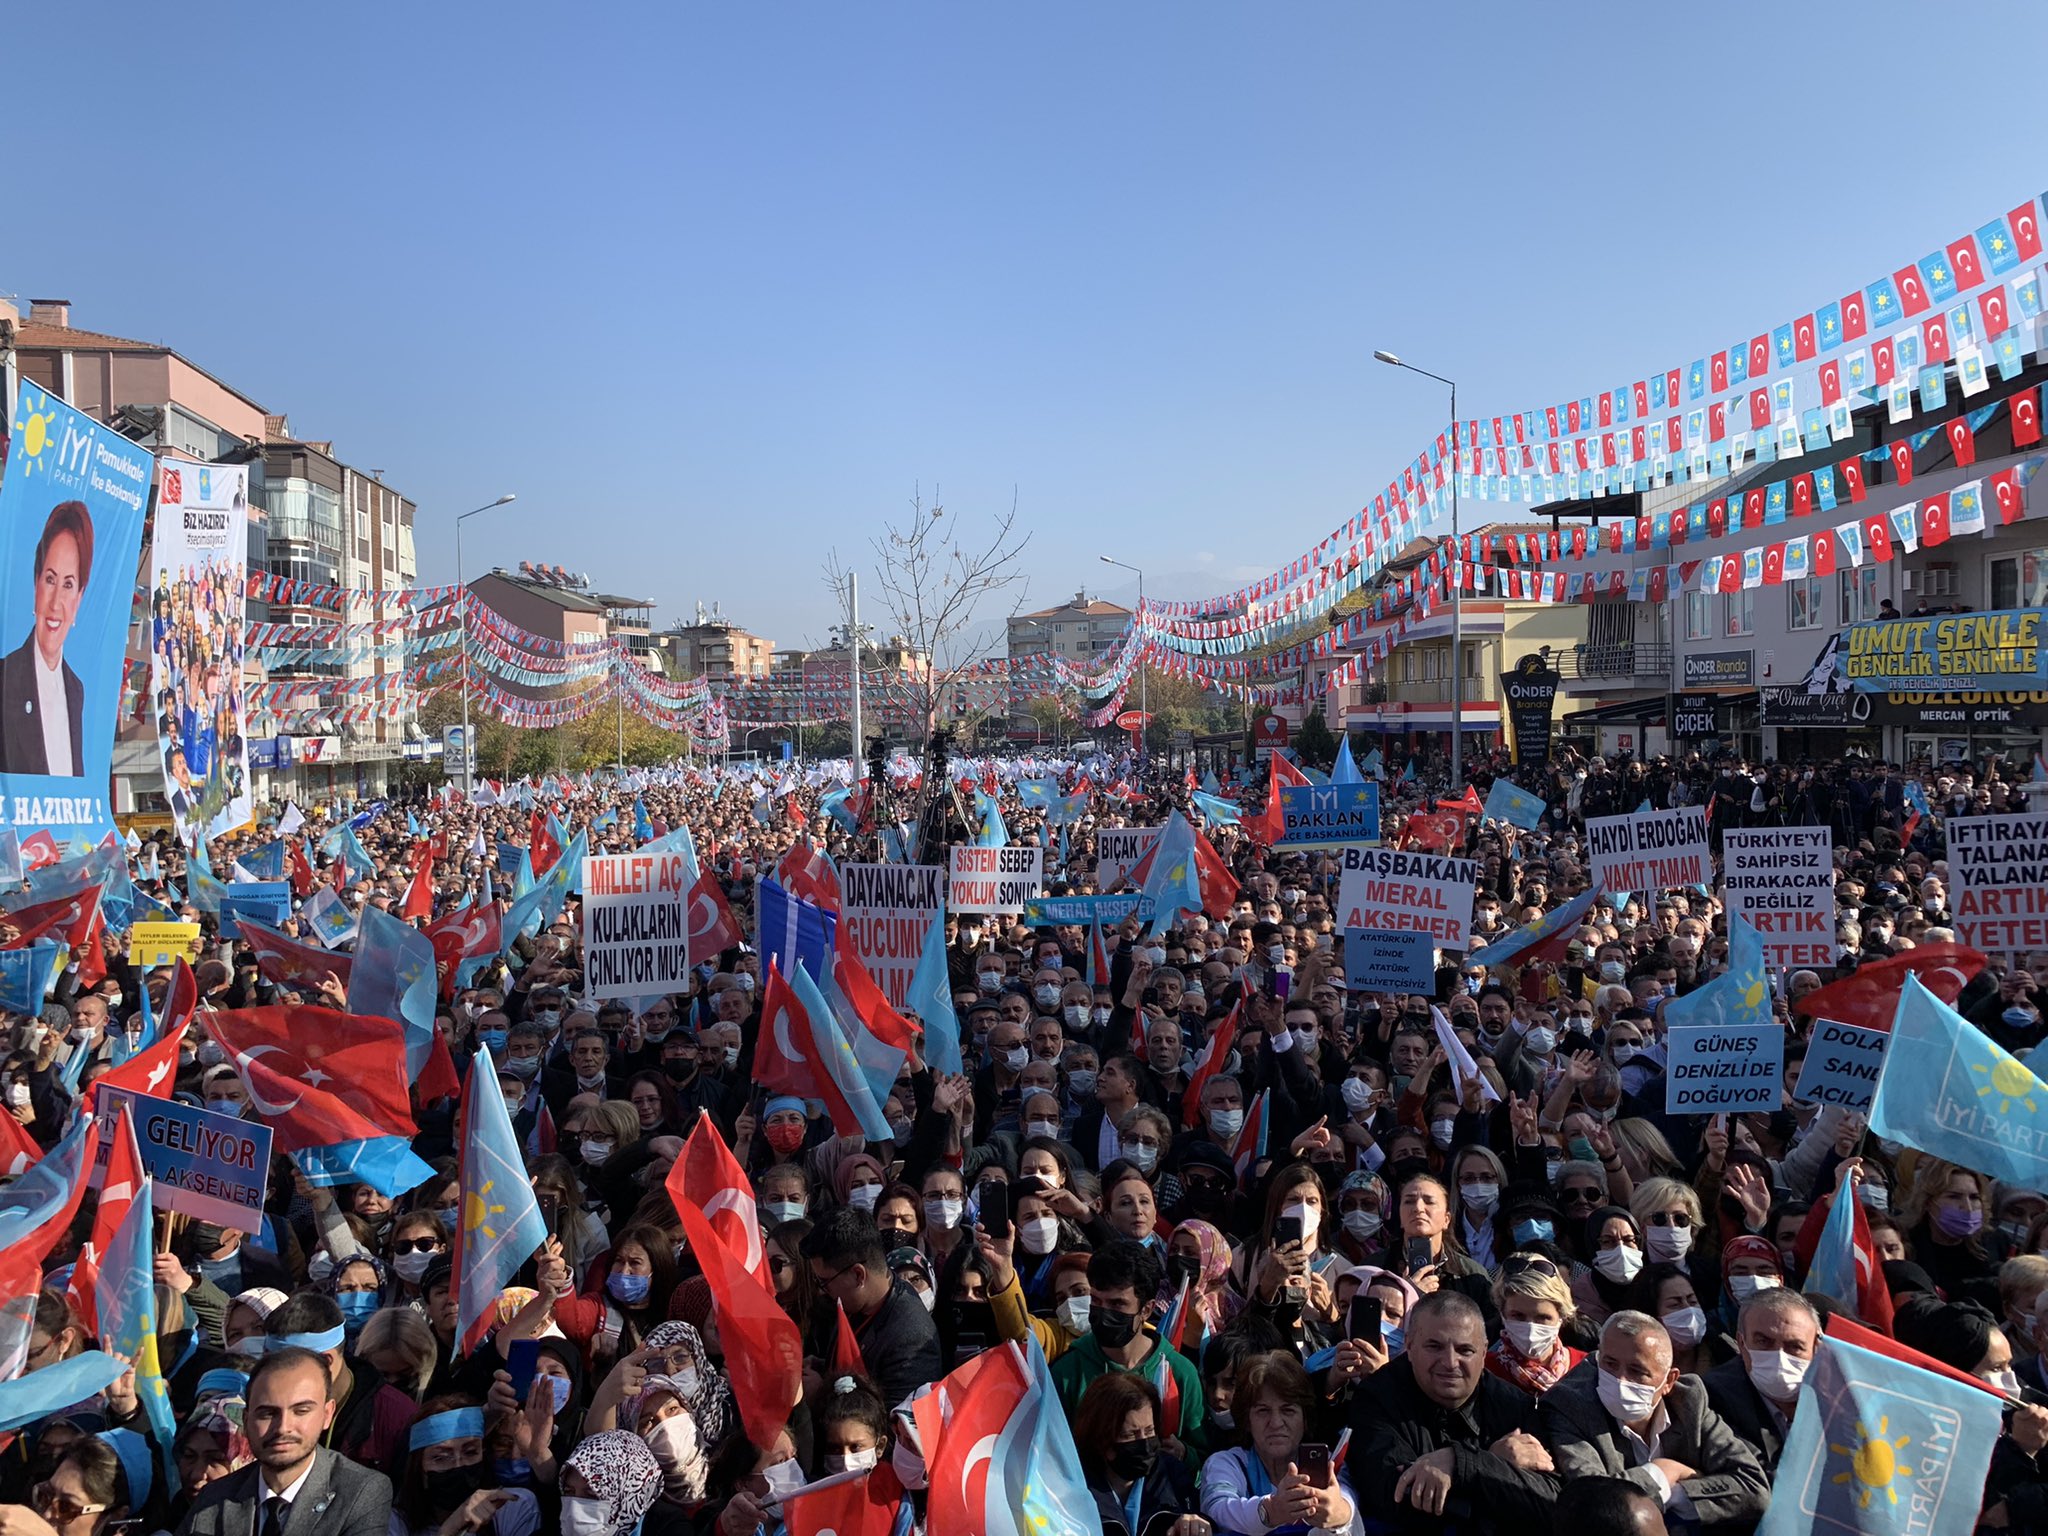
column 33, row 334
column 563, row 597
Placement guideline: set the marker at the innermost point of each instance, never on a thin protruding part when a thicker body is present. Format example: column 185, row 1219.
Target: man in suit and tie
column 296, row 1486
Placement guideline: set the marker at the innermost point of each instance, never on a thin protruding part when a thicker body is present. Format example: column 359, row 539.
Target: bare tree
column 933, row 575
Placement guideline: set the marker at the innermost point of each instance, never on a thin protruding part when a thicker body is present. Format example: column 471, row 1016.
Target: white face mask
column 1363, row 1226
column 783, row 1479
column 586, row 1517
column 1621, row 1264
column 1076, row 1015
column 410, row 1266
column 853, row 1461
column 862, row 1197
column 1776, row 1374
column 942, row 1212
column 1668, row 1244
column 1622, row 1055
column 1357, row 1094
column 595, row 1152
column 1534, row 1340
column 1050, row 1129
column 1540, row 1041
column 1742, row 1287
column 779, row 1211
column 1480, row 1199
column 1687, row 1326
column 1141, row 1157
column 1442, row 1132
column 1073, row 1314
column 1629, row 1401
column 674, row 1443
column 1038, row 1235
column 1224, row 1124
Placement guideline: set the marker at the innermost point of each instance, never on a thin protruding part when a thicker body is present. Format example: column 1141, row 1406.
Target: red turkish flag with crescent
column 1962, row 441
column 1759, row 356
column 2026, row 231
column 1852, row 477
column 713, row 929
column 1991, row 305
column 1717, row 372
column 764, row 1353
column 2026, row 418
column 1912, row 292
column 1962, row 255
column 1935, row 334
column 1884, row 360
column 1759, row 409
column 1934, row 520
column 1853, row 324
column 1830, row 381
column 2010, row 495
column 1869, row 997
column 1877, row 533
column 1902, row 461
column 709, row 1177
column 1824, row 552
column 1804, row 341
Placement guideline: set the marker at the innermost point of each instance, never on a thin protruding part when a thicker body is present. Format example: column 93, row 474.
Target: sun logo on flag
column 1753, row 993
column 37, row 430
column 478, row 1211
column 1874, row 1464
column 2013, row 1082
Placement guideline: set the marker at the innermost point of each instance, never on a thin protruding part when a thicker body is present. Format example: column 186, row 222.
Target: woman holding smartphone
column 1280, row 1479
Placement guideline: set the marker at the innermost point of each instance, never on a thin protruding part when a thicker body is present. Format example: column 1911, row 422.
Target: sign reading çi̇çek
column 1946, row 652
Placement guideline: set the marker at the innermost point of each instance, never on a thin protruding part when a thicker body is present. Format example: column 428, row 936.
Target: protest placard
column 998, row 880
column 1842, row 1065
column 1081, row 911
column 1389, row 960
column 1421, row 892
column 1782, row 879
column 636, row 926
column 212, row 1167
column 1118, row 851
column 267, row 901
column 1998, row 869
column 1649, row 851
column 885, row 911
column 1320, row 815
column 1715, row 1067
column 154, row 944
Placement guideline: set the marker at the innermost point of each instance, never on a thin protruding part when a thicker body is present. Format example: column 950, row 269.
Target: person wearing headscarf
column 609, row 1483
column 660, row 1414
column 701, row 1386
column 1199, row 1255
column 1614, row 1250
column 1749, row 1264
column 211, row 1444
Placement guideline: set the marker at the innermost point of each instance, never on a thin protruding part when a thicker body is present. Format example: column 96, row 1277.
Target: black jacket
column 1731, row 1394
column 1168, row 1493
column 1393, row 1425
column 900, row 1344
column 21, row 721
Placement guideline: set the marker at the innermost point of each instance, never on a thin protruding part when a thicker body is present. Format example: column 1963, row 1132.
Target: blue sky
column 715, row 288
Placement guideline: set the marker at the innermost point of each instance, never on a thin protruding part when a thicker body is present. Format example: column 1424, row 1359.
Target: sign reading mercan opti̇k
column 1317, row 814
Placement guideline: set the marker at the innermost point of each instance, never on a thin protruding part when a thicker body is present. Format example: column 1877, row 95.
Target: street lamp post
column 1144, row 750
column 468, row 748
column 1457, row 581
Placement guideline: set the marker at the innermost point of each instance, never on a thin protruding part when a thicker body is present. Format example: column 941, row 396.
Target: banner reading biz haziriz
column 71, row 509
column 197, row 596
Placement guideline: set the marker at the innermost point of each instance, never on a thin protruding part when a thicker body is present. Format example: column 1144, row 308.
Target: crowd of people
column 1513, row 1300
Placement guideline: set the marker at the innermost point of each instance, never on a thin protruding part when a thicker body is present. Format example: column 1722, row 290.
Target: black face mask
column 1404, row 1170
column 1183, row 1267
column 447, row 1489
column 1133, row 1460
column 679, row 1069
column 1112, row 1330
column 198, row 1241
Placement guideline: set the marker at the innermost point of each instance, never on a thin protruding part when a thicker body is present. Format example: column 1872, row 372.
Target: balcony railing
column 1621, row 659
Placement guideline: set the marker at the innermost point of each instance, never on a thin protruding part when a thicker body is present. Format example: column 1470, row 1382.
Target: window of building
column 1804, row 596
column 1741, row 612
column 1936, row 581
column 1859, row 594
column 2021, row 580
column 1699, row 615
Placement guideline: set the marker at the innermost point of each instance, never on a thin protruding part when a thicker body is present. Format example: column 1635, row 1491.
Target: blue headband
column 223, row 1379
column 133, row 1452
column 781, row 1102
column 319, row 1343
column 440, row 1428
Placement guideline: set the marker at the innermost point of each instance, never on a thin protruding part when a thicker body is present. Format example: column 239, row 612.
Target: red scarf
column 1534, row 1377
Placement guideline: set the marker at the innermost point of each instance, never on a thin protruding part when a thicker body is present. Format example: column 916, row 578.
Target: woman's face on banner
column 58, row 589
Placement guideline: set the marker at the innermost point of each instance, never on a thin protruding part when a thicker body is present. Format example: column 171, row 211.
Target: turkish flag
column 778, row 1062
column 2026, row 418
column 301, row 869
column 713, row 929
column 1606, row 409
column 1935, row 331
column 808, row 872
column 541, row 846
column 1884, row 361
column 1802, row 495
column 1804, row 342
column 956, row 1423
column 1550, row 423
column 1678, row 521
column 1962, row 256
column 1753, row 507
column 317, row 1075
column 1877, row 534
column 1617, row 583
column 1759, row 357
column 288, row 963
column 1578, row 542
column 849, row 1504
column 1912, row 292
column 1902, row 461
column 1671, row 387
column 419, row 894
column 1643, row 532
column 1571, row 416
column 117, row 1193
column 1869, row 997
column 1642, row 394
column 438, row 1078
column 1873, row 1298
column 1638, row 439
column 846, row 1355
column 68, row 920
column 1581, row 450
column 1852, row 316
column 1934, row 520
column 1759, row 409
column 1614, row 538
column 1851, row 470
column 2026, row 231
column 1991, row 305
column 1717, row 421
column 709, row 1177
column 1774, row 565
column 1717, row 372
column 1962, row 441
column 1659, row 584
column 1824, row 552
column 2010, row 494
column 151, row 1071
column 1717, row 517
column 1830, row 381
column 18, row 1149
column 764, row 1354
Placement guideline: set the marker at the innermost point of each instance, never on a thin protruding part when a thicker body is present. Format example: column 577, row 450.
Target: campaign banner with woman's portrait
column 198, row 586
column 71, row 507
